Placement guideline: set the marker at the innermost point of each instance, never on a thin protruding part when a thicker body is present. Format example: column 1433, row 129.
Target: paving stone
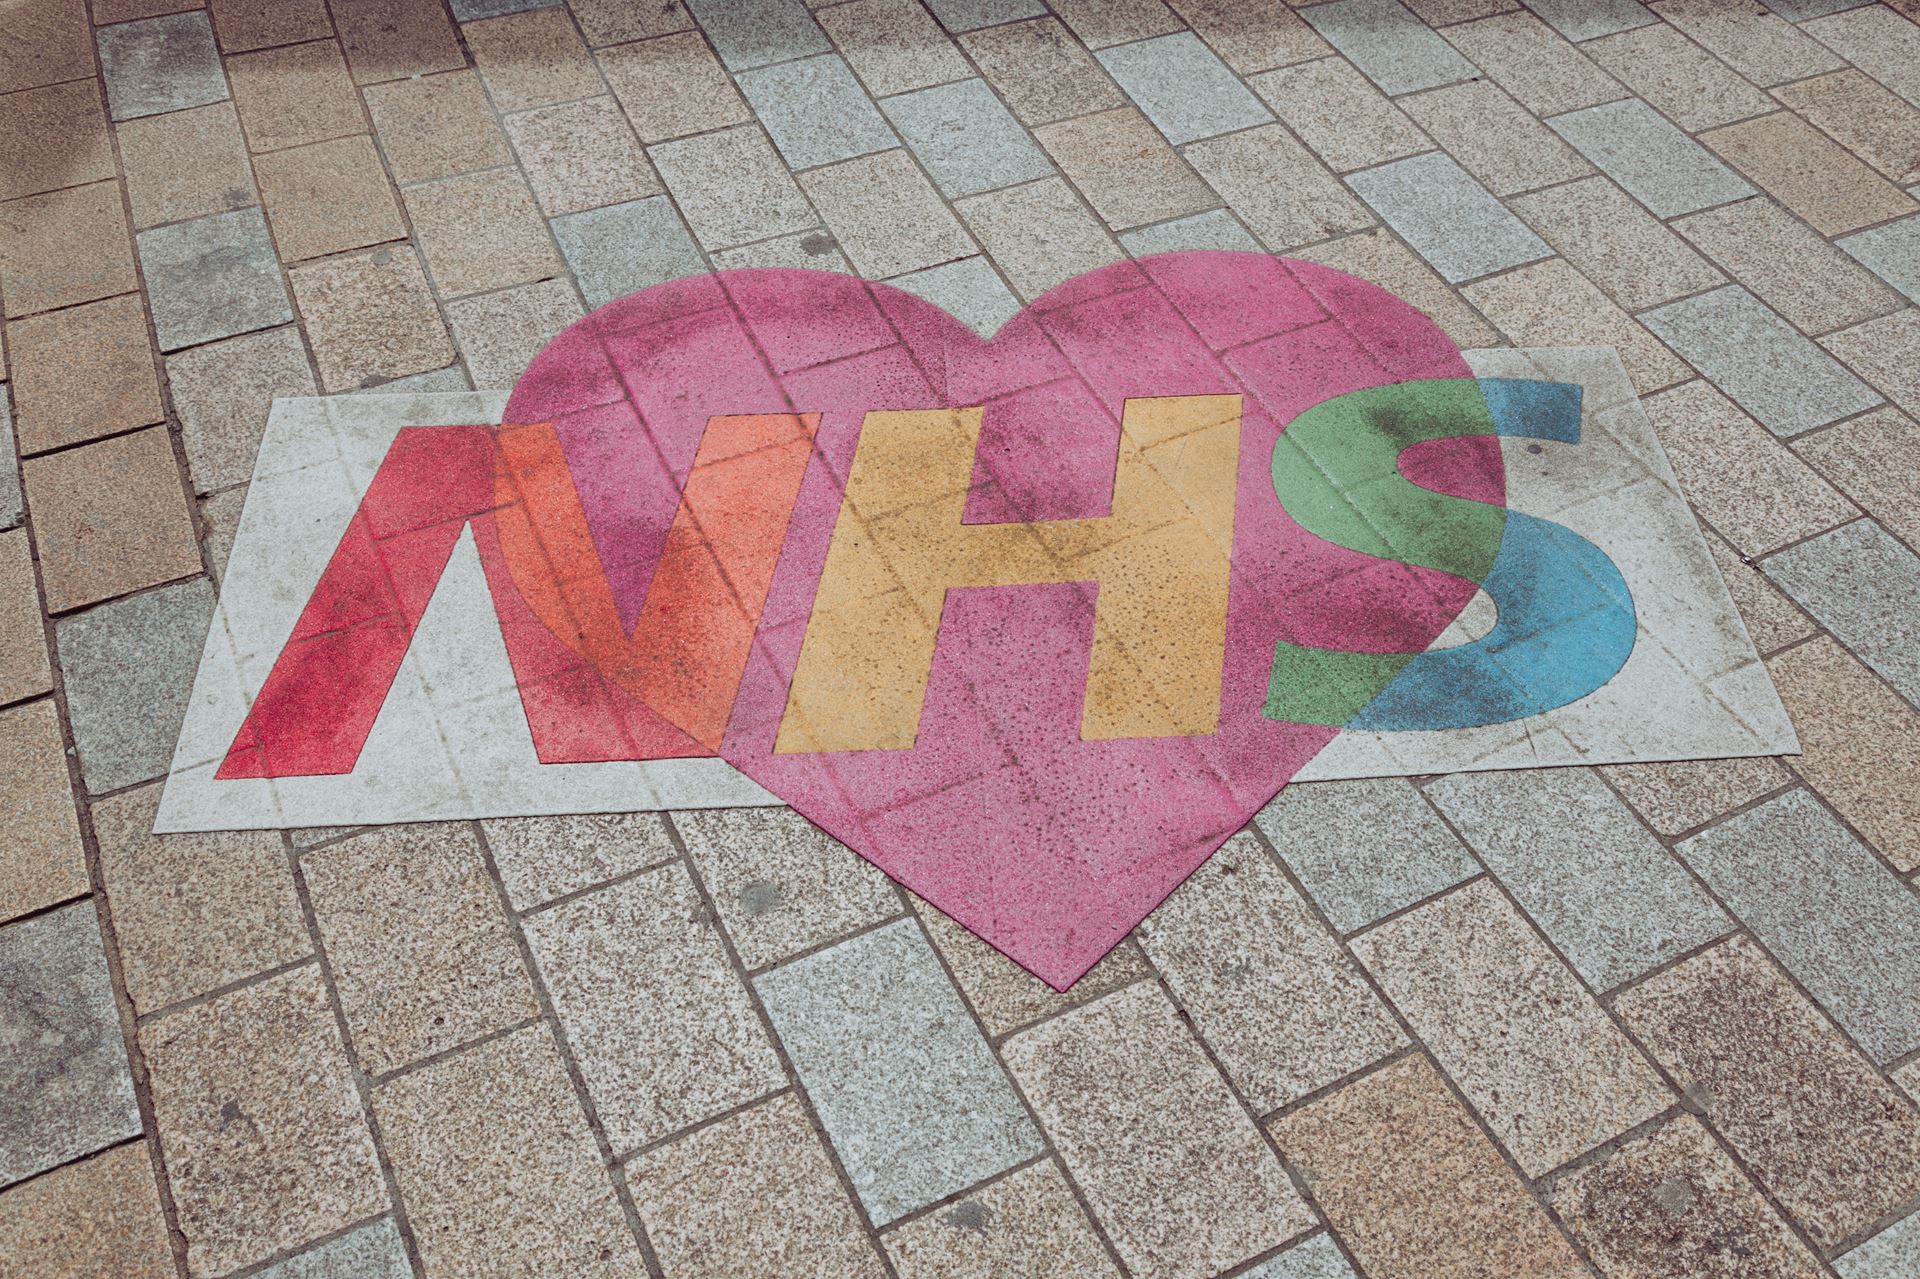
column 222, row 393
column 497, row 1168
column 1884, row 352
column 1859, row 743
column 904, row 1085
column 1530, row 1049
column 1863, row 117
column 1363, row 849
column 970, row 290
column 1818, row 1126
column 1660, row 166
column 1039, row 235
column 1215, row 229
column 370, row 318
column 1027, row 1225
column 481, row 231
column 1884, row 44
column 626, row 247
column 1530, row 60
column 421, row 954
column 1124, row 168
column 110, row 518
column 24, row 671
column 1617, row 244
column 732, row 187
column 1869, row 458
column 1882, row 1256
column 193, row 913
column 803, row 250
column 1802, row 277
column 664, row 1033
column 328, row 197
column 581, row 155
column 160, row 64
column 893, row 45
column 127, row 668
column 1282, row 194
column 1864, row 586
column 1551, row 304
column 672, row 87
column 1604, row 891
column 780, row 883
column 396, row 39
column 1449, row 219
column 1891, row 252
column 1672, row 1202
column 1773, row 620
column 1040, row 70
column 1809, row 173
column 1757, row 44
column 41, row 858
column 750, row 1197
column 82, row 372
column 67, row 1090
column 185, row 164
column 296, row 95
column 65, row 247
column 540, row 858
column 266, row 1144
column 1414, row 1187
column 111, row 11
column 436, row 126
column 754, row 35
column 52, row 137
column 373, row 1251
column 1348, row 123
column 965, row 138
column 532, row 59
column 1283, row 1008
column 970, row 15
column 1314, row 1258
column 1100, row 23
column 1494, row 137
column 256, row 24
column 1167, row 1159
column 1674, row 798
column 1586, row 19
column 49, row 41
column 1678, row 78
column 816, row 112
column 1250, row 36
column 1396, row 50
column 1007, row 997
column 1776, row 375
column 211, row 278
column 607, row 22
column 1827, row 909
column 1378, row 256
column 500, row 333
column 1183, row 87
column 100, row 1216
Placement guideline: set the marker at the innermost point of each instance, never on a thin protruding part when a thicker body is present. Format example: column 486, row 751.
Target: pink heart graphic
column 1048, row 846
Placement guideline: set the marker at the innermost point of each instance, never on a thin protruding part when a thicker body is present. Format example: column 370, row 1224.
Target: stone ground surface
column 1634, row 1021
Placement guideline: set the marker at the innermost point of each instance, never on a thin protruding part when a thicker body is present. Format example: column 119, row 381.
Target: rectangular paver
column 967, row 140
column 1864, row 586
column 1533, row 62
column 886, row 215
column 1616, row 243
column 732, row 187
column 1891, row 252
column 1397, row 51
column 212, row 277
column 160, row 64
column 1449, row 219
column 1348, row 123
column 1494, row 138
column 1809, row 173
column 815, row 111
column 1678, row 78
column 1183, row 87
column 1276, row 186
column 1808, row 281
column 622, row 248
column 1660, row 166
column 755, row 34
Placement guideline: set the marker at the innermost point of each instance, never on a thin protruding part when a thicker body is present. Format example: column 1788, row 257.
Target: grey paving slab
column 1891, row 252
column 815, row 111
column 160, row 64
column 754, row 33
column 971, row 15
column 911, row 1097
column 65, row 1090
column 1585, row 19
column 1888, row 1255
column 969, row 289
column 1640, row 149
column 1364, row 849
column 1182, row 87
column 624, row 247
column 1393, row 48
column 1600, row 886
column 372, row 1251
column 468, row 10
column 1214, row 229
column 968, row 141
column 12, row 507
column 1773, row 372
column 1827, row 908
column 1317, row 1258
column 1859, row 582
column 212, row 277
column 129, row 666
column 1449, row 219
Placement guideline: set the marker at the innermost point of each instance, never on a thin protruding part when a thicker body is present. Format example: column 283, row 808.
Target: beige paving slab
column 499, row 333
column 497, row 1168
column 886, row 215
column 82, row 372
column 1530, row 1048
column 894, row 46
column 294, row 95
column 94, row 1218
column 49, row 41
column 1493, row 137
column 1773, row 620
column 1282, row 194
column 1041, row 71
column 1006, row 996
column 64, row 248
column 258, row 24
column 1809, row 173
column 1250, row 35
column 1613, row 241
column 42, row 862
column 1378, row 256
column 1337, row 111
column 532, row 58
column 1754, row 41
column 481, row 231
column 436, row 126
column 370, row 318
column 1863, row 116
column 394, row 39
column 1819, row 1127
column 1551, row 304
column 732, row 186
column 616, row 21
column 1171, row 1165
column 1100, row 23
column 1886, row 352
column 53, row 137
column 328, row 197
column 1677, row 77
column 185, row 164
column 266, row 1145
column 1038, row 234
column 109, row 518
column 24, row 669
column 222, row 393
column 672, row 87
column 1125, row 169
column 1414, row 1188
column 1687, row 794
column 1533, row 62
column 1788, row 266
column 1027, row 1225
column 581, row 155
column 1869, row 458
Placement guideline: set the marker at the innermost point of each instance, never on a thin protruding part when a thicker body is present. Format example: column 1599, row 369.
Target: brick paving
column 1642, row 1020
